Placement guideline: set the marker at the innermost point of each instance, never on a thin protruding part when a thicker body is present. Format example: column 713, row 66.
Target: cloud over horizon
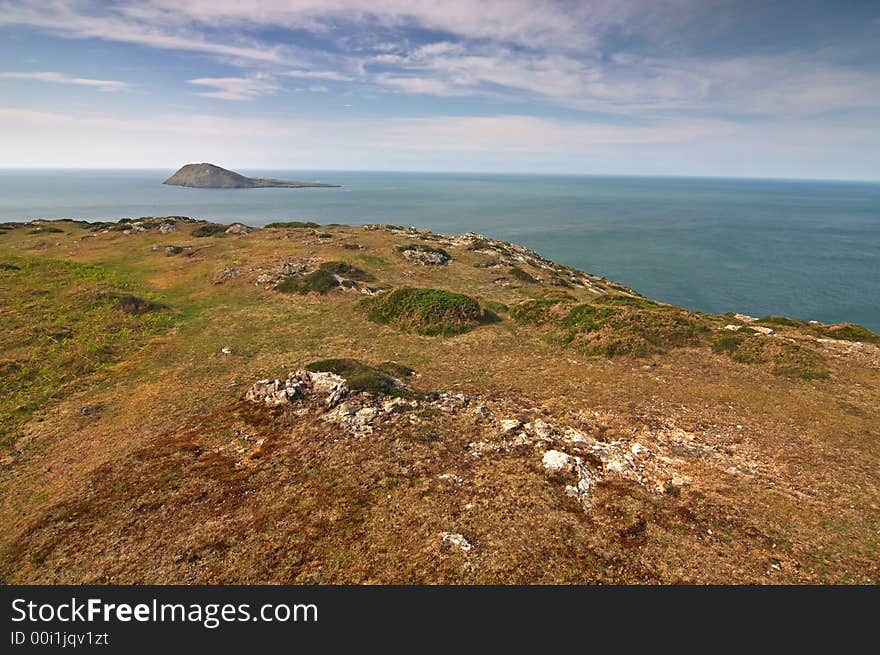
column 687, row 81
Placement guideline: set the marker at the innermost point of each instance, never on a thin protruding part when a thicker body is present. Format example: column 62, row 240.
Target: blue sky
column 678, row 87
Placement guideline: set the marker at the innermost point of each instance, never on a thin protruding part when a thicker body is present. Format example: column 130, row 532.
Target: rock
column 225, row 275
column 745, row 318
column 575, row 436
column 226, row 351
column 508, row 425
column 556, row 462
column 732, row 328
column 450, row 477
column 455, row 540
column 167, row 228
column 539, row 429
column 173, row 250
column 638, row 449
column 763, row 330
column 429, row 257
column 238, row 228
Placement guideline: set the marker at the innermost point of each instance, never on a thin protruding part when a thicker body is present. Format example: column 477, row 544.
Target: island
column 210, row 176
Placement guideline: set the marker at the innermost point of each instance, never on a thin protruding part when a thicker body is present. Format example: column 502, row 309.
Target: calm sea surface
column 800, row 248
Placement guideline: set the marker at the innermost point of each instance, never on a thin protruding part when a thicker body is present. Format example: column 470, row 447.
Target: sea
column 805, row 249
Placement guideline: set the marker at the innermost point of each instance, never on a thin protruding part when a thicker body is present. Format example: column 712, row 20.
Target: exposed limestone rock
column 238, row 228
column 455, row 540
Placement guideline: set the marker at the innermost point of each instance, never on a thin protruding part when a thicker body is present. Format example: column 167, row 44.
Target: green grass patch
column 781, row 357
column 427, row 311
column 374, row 261
column 610, row 325
column 384, row 379
column 849, row 332
column 63, row 322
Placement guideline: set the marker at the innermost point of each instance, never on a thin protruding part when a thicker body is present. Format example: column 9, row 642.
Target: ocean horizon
column 808, row 249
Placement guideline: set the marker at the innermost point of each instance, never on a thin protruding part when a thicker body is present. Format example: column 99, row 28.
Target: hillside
column 185, row 402
column 209, row 176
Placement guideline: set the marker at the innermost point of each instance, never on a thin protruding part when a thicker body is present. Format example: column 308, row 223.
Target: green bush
column 427, row 311
column 384, row 379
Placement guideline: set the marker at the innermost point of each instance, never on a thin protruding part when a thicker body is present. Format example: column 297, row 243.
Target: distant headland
column 209, row 176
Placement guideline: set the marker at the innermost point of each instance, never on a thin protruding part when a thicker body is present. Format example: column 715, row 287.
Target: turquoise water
column 801, row 248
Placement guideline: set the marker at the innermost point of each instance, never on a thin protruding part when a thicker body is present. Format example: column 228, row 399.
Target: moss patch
column 427, row 311
column 384, row 379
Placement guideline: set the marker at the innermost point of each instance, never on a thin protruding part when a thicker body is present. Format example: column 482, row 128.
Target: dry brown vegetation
column 130, row 455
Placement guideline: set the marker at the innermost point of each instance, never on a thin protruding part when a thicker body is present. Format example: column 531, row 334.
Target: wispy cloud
column 236, row 88
column 61, row 78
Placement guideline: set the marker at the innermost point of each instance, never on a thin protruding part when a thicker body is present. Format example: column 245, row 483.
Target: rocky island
column 209, row 176
column 191, row 402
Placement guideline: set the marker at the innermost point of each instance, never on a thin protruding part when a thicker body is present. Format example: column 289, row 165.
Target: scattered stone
column 539, row 429
column 455, row 540
column 426, row 255
column 555, row 462
column 450, row 477
column 225, row 275
column 167, row 228
column 226, row 351
column 173, row 250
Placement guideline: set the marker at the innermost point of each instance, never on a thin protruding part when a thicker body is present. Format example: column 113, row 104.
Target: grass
column 209, row 230
column 170, row 443
column 781, row 357
column 72, row 321
column 851, row 332
column 843, row 331
column 382, row 380
column 610, row 325
column 429, row 312
column 521, row 275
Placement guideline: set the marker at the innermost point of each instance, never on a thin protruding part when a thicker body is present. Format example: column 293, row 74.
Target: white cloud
column 331, row 76
column 503, row 142
column 236, row 88
column 62, row 78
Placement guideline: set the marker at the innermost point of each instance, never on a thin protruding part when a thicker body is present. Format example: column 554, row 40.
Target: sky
column 642, row 87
